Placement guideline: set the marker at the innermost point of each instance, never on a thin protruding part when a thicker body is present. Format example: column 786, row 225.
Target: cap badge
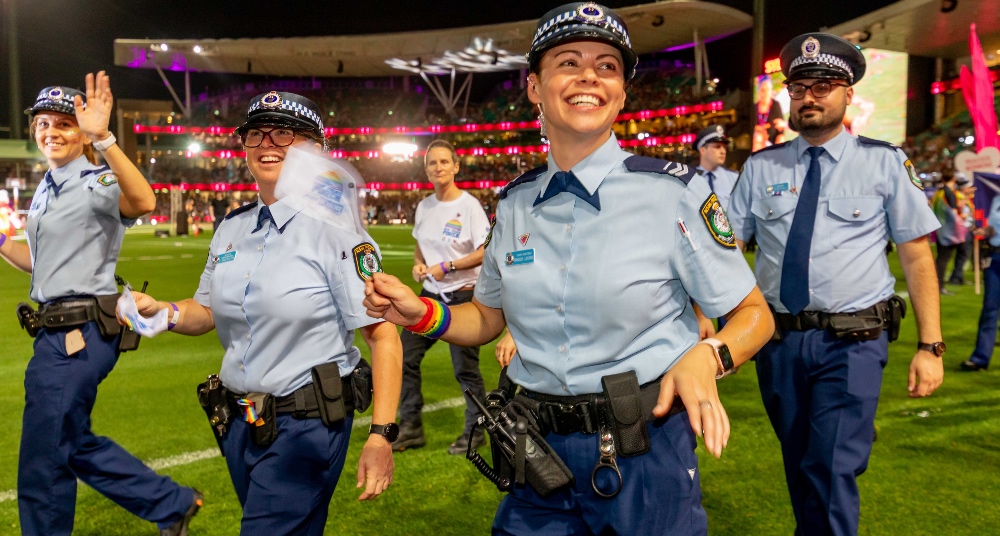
column 719, row 131
column 810, row 47
column 56, row 93
column 271, row 100
column 591, row 12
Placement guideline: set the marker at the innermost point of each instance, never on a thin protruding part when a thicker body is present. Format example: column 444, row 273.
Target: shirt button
column 769, row 212
column 811, row 291
column 857, row 213
column 260, row 248
column 246, row 276
column 562, row 268
column 562, row 349
column 565, row 388
column 241, row 367
column 558, row 308
column 248, row 335
column 569, row 228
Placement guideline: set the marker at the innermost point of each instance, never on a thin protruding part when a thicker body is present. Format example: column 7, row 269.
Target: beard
column 826, row 120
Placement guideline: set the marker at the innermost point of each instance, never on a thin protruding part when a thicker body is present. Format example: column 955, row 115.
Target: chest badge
column 524, row 256
column 776, row 189
column 366, row 261
column 228, row 256
column 523, row 239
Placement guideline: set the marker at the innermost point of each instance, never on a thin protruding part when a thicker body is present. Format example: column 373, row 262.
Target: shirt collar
column 70, row 170
column 592, row 170
column 282, row 210
column 834, row 147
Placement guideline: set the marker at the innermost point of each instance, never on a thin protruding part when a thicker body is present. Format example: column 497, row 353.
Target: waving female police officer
column 75, row 228
column 284, row 291
column 590, row 295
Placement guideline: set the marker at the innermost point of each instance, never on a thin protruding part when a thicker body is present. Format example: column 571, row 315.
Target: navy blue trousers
column 821, row 394
column 286, row 487
column 988, row 317
column 661, row 493
column 58, row 446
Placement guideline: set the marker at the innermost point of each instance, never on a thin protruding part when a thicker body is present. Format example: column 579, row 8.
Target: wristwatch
column 936, row 348
column 722, row 356
column 104, row 144
column 451, row 266
column 389, row 431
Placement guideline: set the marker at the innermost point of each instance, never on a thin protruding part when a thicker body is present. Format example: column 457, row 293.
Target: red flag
column 977, row 88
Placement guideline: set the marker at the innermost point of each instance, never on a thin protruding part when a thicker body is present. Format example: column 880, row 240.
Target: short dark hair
column 444, row 144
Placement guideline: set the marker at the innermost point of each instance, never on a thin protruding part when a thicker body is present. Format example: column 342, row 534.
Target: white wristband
column 104, row 144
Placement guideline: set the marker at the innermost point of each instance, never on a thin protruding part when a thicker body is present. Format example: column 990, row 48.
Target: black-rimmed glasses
column 280, row 137
column 819, row 90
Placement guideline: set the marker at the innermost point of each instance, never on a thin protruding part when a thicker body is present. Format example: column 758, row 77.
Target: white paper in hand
column 147, row 327
column 327, row 188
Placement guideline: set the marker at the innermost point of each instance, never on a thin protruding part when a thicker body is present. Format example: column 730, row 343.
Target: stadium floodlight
column 399, row 148
column 480, row 56
column 194, row 148
column 197, row 49
column 164, row 47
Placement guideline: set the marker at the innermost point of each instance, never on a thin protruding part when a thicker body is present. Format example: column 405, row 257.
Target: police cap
column 709, row 135
column 56, row 99
column 281, row 109
column 581, row 21
column 822, row 55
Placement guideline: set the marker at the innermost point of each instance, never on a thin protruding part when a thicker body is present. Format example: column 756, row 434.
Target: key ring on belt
column 608, row 459
column 437, row 286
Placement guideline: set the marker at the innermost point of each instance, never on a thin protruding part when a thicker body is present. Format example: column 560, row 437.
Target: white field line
column 159, row 464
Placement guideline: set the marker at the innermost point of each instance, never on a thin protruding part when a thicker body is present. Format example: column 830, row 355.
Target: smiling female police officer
column 284, row 291
column 590, row 297
column 75, row 228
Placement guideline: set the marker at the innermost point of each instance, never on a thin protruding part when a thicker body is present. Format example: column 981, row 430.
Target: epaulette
column 664, row 167
column 240, row 210
column 771, row 147
column 526, row 177
column 94, row 171
column 870, row 141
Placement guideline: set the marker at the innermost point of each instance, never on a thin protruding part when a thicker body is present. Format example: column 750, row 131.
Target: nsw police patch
column 912, row 171
column 717, row 223
column 366, row 260
column 107, row 179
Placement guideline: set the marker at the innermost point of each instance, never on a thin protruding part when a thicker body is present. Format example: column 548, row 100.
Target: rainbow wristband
column 3, row 239
column 435, row 323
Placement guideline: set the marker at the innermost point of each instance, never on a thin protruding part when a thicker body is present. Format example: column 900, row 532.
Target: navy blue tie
column 566, row 181
column 52, row 183
column 711, row 180
column 795, row 265
column 263, row 218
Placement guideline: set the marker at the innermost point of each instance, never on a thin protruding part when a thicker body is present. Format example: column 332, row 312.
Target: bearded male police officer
column 823, row 207
column 712, row 146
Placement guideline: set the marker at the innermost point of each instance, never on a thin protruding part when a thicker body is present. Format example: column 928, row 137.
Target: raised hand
column 96, row 115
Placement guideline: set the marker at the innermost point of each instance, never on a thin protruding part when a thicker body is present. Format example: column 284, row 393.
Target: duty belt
column 807, row 320
column 303, row 402
column 566, row 415
column 65, row 313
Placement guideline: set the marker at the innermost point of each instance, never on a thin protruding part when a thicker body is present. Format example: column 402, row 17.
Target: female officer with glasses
column 588, row 293
column 284, row 292
column 75, row 228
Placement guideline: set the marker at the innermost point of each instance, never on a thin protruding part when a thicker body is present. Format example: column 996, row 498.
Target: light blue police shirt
column 867, row 196
column 608, row 291
column 993, row 220
column 284, row 299
column 724, row 181
column 75, row 235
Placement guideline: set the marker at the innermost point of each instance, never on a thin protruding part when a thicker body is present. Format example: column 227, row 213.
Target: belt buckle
column 565, row 419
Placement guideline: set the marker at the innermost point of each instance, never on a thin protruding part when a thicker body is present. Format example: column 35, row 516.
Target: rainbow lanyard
column 249, row 413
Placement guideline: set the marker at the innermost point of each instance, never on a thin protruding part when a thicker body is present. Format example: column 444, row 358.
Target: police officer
column 987, row 334
column 587, row 296
column 284, row 292
column 823, row 207
column 712, row 145
column 75, row 227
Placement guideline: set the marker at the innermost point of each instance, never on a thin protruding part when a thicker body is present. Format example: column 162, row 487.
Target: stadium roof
column 652, row 27
column 919, row 27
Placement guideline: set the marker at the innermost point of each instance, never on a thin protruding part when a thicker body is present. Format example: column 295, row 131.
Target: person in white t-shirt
column 451, row 228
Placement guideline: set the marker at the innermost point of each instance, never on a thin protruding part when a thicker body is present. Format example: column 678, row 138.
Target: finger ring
column 705, row 403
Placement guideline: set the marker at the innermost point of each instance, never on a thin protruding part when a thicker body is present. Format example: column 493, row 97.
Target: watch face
column 727, row 358
column 391, row 432
column 939, row 349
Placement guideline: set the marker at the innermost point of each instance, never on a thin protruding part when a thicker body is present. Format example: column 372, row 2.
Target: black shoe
column 461, row 445
column 180, row 528
column 411, row 436
column 972, row 366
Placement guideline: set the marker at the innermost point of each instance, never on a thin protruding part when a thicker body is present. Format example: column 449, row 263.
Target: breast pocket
column 771, row 208
column 855, row 222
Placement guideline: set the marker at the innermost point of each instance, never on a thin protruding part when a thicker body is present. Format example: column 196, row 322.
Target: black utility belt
column 566, row 415
column 864, row 325
column 329, row 397
column 77, row 311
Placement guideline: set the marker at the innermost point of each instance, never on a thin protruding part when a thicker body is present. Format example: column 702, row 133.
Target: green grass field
column 934, row 469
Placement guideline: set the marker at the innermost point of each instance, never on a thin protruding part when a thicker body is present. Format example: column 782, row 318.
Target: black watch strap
column 936, row 348
column 389, row 431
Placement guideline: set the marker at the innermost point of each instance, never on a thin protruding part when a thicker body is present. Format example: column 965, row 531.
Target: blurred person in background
column 965, row 193
column 951, row 234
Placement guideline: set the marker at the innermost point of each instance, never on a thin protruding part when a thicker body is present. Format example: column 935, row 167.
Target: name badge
column 225, row 257
column 776, row 189
column 524, row 256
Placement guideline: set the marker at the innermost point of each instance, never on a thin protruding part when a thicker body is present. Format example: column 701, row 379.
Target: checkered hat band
column 827, row 59
column 553, row 25
column 292, row 107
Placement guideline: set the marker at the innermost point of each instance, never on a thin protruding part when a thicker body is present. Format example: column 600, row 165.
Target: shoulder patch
column 525, row 178
column 107, row 179
column 717, row 223
column 772, row 147
column 240, row 210
column 366, row 260
column 663, row 167
column 912, row 172
column 870, row 141
column 95, row 171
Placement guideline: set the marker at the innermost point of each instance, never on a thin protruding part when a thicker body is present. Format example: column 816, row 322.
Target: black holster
column 329, row 389
column 363, row 386
column 628, row 420
column 107, row 323
column 896, row 314
column 29, row 320
column 214, row 400
column 265, row 431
